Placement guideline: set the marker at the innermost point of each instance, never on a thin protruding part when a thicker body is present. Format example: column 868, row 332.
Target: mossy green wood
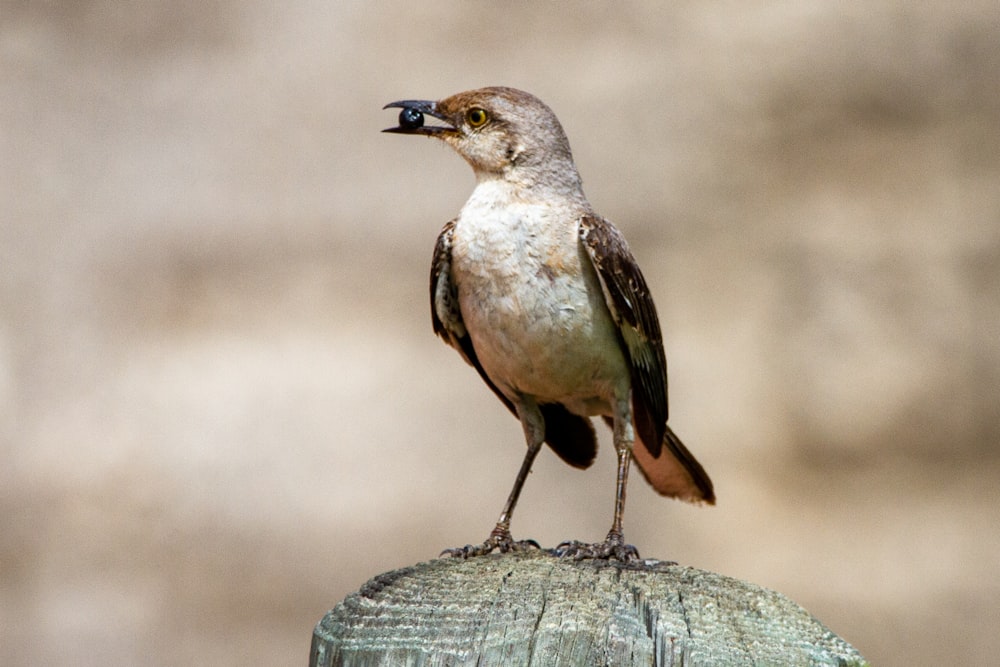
column 536, row 609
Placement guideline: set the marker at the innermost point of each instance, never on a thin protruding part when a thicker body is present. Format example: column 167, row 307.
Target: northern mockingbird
column 543, row 298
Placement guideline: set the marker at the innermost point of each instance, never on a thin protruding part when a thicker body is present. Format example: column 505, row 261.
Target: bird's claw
column 613, row 547
column 499, row 540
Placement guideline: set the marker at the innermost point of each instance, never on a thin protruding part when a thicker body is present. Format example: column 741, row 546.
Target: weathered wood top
column 536, row 609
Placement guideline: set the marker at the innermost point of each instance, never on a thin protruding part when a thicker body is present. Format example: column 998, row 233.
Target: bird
column 543, row 297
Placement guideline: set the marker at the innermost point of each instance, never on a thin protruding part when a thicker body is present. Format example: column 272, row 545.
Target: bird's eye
column 476, row 117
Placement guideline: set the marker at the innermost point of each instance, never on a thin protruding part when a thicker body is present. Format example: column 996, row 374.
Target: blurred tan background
column 221, row 404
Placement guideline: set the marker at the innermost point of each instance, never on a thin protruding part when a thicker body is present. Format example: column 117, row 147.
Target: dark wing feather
column 631, row 305
column 570, row 436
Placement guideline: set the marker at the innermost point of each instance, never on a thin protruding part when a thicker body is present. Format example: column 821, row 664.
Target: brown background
column 221, row 404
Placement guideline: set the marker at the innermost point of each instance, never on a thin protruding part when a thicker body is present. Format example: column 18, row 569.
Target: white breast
column 532, row 303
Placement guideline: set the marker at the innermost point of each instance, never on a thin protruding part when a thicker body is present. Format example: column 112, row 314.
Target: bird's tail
column 675, row 472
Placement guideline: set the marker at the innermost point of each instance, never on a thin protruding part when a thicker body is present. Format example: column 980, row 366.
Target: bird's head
column 501, row 132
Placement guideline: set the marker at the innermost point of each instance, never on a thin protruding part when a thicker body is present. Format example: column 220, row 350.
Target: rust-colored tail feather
column 675, row 472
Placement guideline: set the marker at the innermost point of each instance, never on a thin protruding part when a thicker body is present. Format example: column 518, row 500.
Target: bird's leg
column 613, row 545
column 500, row 538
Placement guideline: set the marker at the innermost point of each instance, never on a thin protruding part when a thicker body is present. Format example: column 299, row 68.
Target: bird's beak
column 411, row 118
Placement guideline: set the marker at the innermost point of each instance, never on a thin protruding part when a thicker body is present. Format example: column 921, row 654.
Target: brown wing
column 570, row 436
column 631, row 305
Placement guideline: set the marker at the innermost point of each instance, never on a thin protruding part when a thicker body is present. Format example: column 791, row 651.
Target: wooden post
column 536, row 609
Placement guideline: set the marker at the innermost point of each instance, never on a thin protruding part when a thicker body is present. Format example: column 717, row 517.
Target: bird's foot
column 612, row 547
column 499, row 540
